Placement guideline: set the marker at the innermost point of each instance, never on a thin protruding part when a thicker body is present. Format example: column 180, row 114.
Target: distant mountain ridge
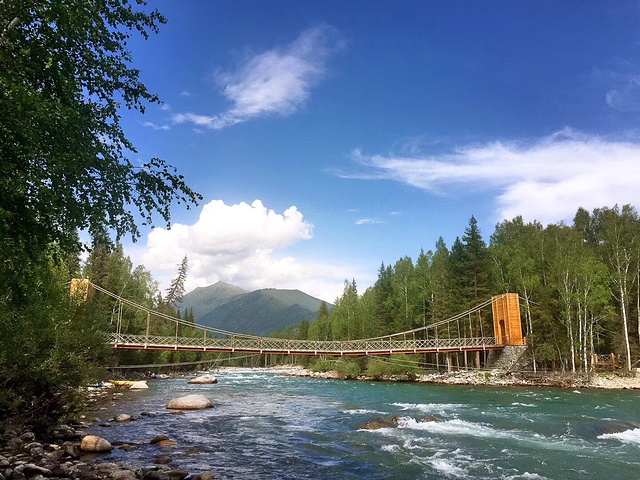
column 205, row 299
column 260, row 312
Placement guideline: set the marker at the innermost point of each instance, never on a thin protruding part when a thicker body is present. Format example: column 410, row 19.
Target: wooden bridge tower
column 507, row 326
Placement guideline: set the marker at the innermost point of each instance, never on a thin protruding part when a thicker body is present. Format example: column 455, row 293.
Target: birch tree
column 618, row 235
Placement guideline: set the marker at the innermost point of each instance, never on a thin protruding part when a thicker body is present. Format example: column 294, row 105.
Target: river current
column 267, row 426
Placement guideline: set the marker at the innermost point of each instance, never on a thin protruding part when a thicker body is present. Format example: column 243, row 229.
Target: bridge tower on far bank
column 507, row 325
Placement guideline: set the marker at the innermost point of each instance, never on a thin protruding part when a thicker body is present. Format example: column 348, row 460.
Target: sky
column 327, row 138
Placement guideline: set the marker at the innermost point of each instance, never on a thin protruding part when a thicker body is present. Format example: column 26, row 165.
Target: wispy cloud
column 546, row 180
column 155, row 126
column 184, row 93
column 624, row 93
column 368, row 221
column 275, row 82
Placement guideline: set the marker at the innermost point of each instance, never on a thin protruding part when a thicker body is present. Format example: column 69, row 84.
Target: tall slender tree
column 618, row 234
column 175, row 292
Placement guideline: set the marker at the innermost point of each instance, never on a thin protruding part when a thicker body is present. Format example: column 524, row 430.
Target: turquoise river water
column 267, row 426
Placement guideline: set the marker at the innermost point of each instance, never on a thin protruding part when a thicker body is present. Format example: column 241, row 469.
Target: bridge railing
column 257, row 344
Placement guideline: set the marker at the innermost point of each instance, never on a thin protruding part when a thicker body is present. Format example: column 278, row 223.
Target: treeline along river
column 270, row 426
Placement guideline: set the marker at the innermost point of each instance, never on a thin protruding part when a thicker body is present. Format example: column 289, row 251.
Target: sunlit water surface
column 266, row 426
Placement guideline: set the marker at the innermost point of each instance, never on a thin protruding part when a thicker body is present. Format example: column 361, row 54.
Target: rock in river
column 93, row 443
column 378, row 423
column 204, row 379
column 141, row 385
column 190, row 402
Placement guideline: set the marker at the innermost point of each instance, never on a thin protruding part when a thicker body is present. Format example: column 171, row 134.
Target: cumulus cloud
column 545, row 180
column 277, row 81
column 239, row 244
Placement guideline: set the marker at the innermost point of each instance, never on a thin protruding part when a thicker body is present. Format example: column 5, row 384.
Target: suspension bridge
column 464, row 332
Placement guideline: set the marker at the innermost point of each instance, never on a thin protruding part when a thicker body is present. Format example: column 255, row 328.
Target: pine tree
column 475, row 277
column 175, row 292
column 442, row 284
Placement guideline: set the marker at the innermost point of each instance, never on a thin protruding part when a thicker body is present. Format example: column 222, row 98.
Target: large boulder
column 190, row 402
column 93, row 443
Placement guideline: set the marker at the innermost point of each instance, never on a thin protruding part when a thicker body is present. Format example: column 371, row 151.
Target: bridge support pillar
column 449, row 363
column 507, row 325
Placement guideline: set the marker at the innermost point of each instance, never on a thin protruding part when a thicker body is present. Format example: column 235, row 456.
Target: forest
column 579, row 288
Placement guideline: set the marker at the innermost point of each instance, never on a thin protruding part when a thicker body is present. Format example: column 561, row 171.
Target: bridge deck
column 378, row 346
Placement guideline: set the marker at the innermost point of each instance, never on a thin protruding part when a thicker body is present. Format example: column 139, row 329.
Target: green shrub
column 348, row 369
column 50, row 347
column 395, row 365
column 322, row 365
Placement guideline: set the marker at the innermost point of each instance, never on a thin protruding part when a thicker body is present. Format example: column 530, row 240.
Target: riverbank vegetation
column 579, row 288
column 66, row 167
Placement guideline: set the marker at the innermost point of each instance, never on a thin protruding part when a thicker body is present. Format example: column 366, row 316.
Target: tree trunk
column 623, row 301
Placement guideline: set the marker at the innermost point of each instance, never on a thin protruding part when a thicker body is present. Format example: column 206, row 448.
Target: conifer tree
column 175, row 292
column 475, row 274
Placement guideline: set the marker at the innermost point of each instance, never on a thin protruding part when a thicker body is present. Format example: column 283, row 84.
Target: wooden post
column 449, row 363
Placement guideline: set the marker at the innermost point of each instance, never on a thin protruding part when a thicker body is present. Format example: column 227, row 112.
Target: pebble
column 166, row 443
column 158, row 438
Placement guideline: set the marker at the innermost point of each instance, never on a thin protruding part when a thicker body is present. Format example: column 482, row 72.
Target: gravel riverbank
column 500, row 378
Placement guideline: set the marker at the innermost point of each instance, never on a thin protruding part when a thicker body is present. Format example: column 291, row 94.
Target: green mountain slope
column 205, row 299
column 261, row 312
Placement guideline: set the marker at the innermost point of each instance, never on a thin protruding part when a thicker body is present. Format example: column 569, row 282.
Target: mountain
column 205, row 299
column 260, row 312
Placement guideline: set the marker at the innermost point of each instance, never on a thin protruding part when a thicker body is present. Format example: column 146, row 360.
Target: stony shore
column 497, row 378
column 23, row 456
column 70, row 453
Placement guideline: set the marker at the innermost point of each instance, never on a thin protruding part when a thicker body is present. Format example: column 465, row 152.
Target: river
column 267, row 426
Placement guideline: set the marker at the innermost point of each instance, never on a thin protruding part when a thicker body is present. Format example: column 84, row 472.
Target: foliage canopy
column 65, row 166
column 65, row 71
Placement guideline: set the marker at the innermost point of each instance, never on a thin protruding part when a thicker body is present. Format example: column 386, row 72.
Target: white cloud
column 239, row 244
column 277, row 81
column 165, row 107
column 155, row 126
column 545, row 180
column 184, row 93
column 624, row 81
column 368, row 221
column 200, row 120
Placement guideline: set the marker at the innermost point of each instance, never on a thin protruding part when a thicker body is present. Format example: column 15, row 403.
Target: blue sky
column 328, row 137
